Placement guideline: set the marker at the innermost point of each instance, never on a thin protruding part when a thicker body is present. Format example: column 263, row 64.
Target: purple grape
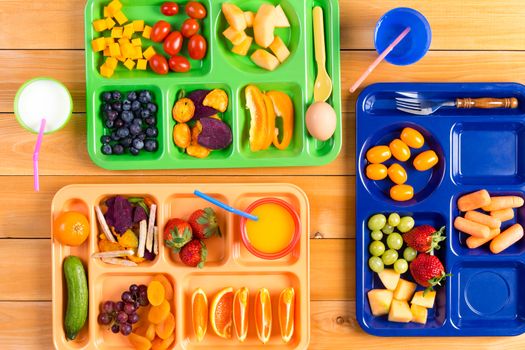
column 143, row 288
column 104, row 319
column 122, row 317
column 129, row 308
column 143, row 294
column 119, row 306
column 143, row 301
column 133, row 288
column 125, row 329
column 133, row 318
column 127, row 297
column 137, row 304
column 115, row 328
column 108, row 307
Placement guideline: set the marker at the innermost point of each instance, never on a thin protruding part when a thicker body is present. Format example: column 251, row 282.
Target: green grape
column 409, row 254
column 394, row 241
column 388, row 229
column 401, row 266
column 376, row 222
column 406, row 224
column 389, row 257
column 376, row 235
column 376, row 264
column 376, row 248
column 393, row 219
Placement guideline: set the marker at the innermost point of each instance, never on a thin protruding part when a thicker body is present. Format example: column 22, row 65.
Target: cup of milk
column 43, row 98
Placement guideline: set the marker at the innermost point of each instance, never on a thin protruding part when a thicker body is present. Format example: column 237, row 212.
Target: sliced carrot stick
column 483, row 219
column 474, row 200
column 506, row 238
column 476, row 242
column 472, row 228
column 503, row 214
column 504, row 202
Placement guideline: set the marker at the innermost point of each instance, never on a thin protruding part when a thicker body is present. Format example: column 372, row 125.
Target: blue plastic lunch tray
column 478, row 149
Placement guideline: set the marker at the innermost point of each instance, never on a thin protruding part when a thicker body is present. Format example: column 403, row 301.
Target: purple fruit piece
column 139, row 214
column 201, row 111
column 119, row 214
column 215, row 134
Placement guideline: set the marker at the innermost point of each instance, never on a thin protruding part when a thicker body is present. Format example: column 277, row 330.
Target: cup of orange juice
column 277, row 231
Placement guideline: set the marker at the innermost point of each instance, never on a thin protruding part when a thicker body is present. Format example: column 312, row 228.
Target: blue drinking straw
column 225, row 206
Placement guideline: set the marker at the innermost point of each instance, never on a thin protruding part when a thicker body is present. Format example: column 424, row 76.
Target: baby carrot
column 476, row 242
column 506, row 238
column 483, row 219
column 471, row 228
column 503, row 214
column 504, row 202
column 474, row 200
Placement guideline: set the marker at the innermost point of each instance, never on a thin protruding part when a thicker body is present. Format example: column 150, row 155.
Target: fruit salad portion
column 425, row 268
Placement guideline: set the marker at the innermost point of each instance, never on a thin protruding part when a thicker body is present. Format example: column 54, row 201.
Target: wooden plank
column 25, row 214
column 30, row 261
column 25, row 325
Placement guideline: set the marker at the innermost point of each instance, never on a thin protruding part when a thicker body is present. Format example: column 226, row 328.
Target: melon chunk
column 234, row 16
column 234, row 36
column 399, row 312
column 419, row 314
column 279, row 49
column 243, row 48
column 264, row 25
column 380, row 301
column 281, row 21
column 404, row 290
column 425, row 300
column 265, row 60
column 389, row 278
column 249, row 16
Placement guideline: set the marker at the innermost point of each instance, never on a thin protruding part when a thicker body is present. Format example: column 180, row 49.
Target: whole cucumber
column 77, row 296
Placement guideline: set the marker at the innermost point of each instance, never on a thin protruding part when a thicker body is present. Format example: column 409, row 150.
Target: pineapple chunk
column 106, row 71
column 404, row 290
column 146, row 33
column 136, row 42
column 110, row 23
column 279, row 49
column 234, row 36
column 265, row 60
column 120, row 17
column 100, row 25
column 249, row 16
column 281, row 21
column 399, row 312
column 389, row 278
column 138, row 26
column 425, row 300
column 111, row 62
column 243, row 48
column 114, row 50
column 142, row 64
column 149, row 53
column 380, row 301
column 116, row 32
column 98, row 44
column 129, row 64
column 419, row 314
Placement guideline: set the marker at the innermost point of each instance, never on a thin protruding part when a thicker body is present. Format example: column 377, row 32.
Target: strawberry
column 176, row 234
column 424, row 238
column 204, row 223
column 194, row 253
column 427, row 271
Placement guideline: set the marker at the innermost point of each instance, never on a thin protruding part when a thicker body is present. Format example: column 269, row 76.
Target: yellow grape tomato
column 412, row 138
column 378, row 154
column 426, row 160
column 397, row 174
column 402, row 193
column 376, row 172
column 400, row 150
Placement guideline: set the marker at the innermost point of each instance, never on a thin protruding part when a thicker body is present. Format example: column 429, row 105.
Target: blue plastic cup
column 414, row 46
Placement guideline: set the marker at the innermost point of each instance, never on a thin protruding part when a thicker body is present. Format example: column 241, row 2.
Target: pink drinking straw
column 378, row 60
column 35, row 155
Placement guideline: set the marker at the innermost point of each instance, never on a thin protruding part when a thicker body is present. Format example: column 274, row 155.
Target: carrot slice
column 506, row 238
column 476, row 242
column 474, row 200
column 471, row 228
column 483, row 219
column 504, row 202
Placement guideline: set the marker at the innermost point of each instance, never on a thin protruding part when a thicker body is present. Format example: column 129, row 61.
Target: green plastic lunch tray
column 221, row 69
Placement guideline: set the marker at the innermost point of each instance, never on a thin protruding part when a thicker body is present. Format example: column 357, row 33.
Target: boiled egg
column 321, row 121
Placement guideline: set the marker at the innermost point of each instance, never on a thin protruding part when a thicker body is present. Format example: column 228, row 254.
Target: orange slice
column 287, row 313
column 240, row 313
column 221, row 313
column 263, row 315
column 199, row 303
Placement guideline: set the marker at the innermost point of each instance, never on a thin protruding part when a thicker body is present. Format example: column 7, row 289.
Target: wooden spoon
column 323, row 83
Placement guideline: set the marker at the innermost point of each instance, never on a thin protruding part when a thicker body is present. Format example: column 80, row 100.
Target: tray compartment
column 475, row 282
column 488, row 153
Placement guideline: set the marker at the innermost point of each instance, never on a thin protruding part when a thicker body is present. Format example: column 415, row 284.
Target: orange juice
column 275, row 230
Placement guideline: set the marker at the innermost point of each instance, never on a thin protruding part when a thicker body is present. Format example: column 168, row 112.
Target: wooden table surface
column 474, row 40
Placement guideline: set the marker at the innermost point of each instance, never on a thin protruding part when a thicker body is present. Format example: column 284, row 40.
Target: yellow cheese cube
column 123, row 41
column 107, row 52
column 127, row 50
column 142, row 64
column 110, row 23
column 137, row 52
column 116, row 32
column 100, row 25
column 114, row 7
column 138, row 25
column 106, row 12
column 111, row 62
column 106, row 71
column 149, row 53
column 109, row 41
column 120, row 17
column 98, row 44
column 114, row 49
column 130, row 64
column 128, row 30
column 121, row 58
column 136, row 42
column 147, row 32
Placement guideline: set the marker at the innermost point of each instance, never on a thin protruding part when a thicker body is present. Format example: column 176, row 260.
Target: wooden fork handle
column 487, row 103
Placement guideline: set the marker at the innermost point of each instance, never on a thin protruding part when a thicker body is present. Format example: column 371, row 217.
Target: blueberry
column 137, row 121
column 106, row 149
column 112, row 115
column 152, row 131
column 151, row 145
column 119, row 123
column 141, row 136
column 151, row 121
column 132, row 96
column 138, row 144
column 135, row 106
column 106, row 96
column 126, row 105
column 123, row 132
column 126, row 142
column 116, row 95
column 145, row 97
column 105, row 139
column 114, row 136
column 135, row 129
column 110, row 124
column 134, row 151
column 127, row 116
column 117, row 106
column 145, row 113
column 118, row 149
column 106, row 107
column 152, row 107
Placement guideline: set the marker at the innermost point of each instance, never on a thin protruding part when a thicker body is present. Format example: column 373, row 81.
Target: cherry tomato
column 160, row 31
column 426, row 160
column 179, row 64
column 159, row 64
column 376, row 172
column 195, row 10
column 402, row 193
column 397, row 174
column 400, row 150
column 173, row 43
column 169, row 9
column 413, row 138
column 197, row 47
column 190, row 27
column 378, row 154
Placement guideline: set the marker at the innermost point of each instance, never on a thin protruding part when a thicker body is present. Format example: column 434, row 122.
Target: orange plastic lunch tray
column 229, row 264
